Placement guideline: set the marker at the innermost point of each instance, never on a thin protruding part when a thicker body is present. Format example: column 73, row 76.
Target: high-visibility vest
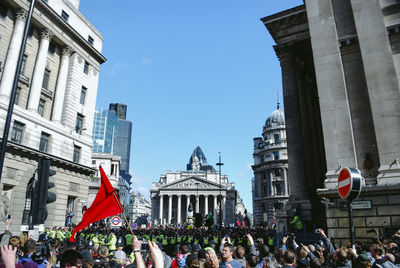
column 205, row 240
column 128, row 239
column 270, row 241
column 173, row 241
column 216, row 239
column 95, row 241
column 196, row 240
column 164, row 242
column 179, row 239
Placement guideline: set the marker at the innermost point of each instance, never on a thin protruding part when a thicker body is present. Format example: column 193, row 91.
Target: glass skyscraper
column 105, row 129
column 123, row 142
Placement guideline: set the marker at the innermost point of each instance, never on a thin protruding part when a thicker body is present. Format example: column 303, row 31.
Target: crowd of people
column 99, row 246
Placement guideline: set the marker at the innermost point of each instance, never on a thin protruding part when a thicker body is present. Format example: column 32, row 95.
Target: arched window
column 28, row 200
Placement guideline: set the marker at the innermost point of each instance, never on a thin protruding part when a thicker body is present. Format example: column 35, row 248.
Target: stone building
column 141, row 207
column 271, row 191
column 340, row 72
column 54, row 105
column 199, row 185
column 110, row 164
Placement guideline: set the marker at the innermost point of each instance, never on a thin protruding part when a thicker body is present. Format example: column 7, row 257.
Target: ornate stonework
column 47, row 34
column 67, row 51
column 21, row 14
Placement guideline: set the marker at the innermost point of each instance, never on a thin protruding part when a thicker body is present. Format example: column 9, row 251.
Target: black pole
column 14, row 88
column 351, row 224
column 219, row 164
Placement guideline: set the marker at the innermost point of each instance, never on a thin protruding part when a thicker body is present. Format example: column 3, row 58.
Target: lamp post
column 219, row 164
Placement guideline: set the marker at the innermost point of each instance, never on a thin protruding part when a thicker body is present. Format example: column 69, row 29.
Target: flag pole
column 123, row 212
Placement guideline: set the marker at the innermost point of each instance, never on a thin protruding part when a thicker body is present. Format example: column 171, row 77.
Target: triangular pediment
column 192, row 183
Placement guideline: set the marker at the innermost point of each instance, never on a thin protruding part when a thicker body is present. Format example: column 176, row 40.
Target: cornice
column 25, row 151
column 41, row 6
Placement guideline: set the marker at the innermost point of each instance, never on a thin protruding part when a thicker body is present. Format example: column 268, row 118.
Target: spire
column 278, row 105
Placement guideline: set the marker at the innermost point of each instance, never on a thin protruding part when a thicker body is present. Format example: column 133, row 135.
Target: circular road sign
column 116, row 221
column 349, row 183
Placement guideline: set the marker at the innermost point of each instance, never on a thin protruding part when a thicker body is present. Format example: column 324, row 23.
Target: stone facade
column 201, row 186
column 271, row 191
column 59, row 62
column 353, row 47
column 140, row 206
column 306, row 156
column 110, row 164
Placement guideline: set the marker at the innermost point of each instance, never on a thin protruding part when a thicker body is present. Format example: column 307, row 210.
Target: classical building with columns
column 200, row 185
column 271, row 189
column 54, row 104
column 340, row 63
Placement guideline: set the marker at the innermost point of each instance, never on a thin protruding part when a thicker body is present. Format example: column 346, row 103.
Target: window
column 27, row 205
column 52, row 47
column 278, row 189
column 77, row 154
column 17, row 95
column 23, row 64
column 64, row 15
column 44, row 142
column 46, row 78
column 3, row 10
column 278, row 172
column 276, row 155
column 31, row 31
column 112, row 170
column 83, row 95
column 79, row 123
column 277, row 139
column 16, row 134
column 90, row 40
column 86, row 68
column 42, row 103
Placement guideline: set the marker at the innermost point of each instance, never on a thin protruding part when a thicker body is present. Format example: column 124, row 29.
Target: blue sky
column 192, row 73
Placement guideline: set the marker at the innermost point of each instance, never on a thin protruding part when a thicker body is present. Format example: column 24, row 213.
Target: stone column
column 61, row 83
column 197, row 204
column 223, row 209
column 40, row 66
column 294, row 132
column 169, row 209
column 285, row 181
column 215, row 202
column 206, row 205
column 10, row 65
column 179, row 209
column 161, row 208
column 187, row 204
column 383, row 85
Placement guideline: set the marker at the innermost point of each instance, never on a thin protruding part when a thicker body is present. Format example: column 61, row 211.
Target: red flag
column 106, row 204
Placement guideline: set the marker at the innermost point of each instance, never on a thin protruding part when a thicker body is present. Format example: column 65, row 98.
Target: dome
column 276, row 118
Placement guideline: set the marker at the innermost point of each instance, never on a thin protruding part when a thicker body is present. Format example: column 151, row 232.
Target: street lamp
column 219, row 164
